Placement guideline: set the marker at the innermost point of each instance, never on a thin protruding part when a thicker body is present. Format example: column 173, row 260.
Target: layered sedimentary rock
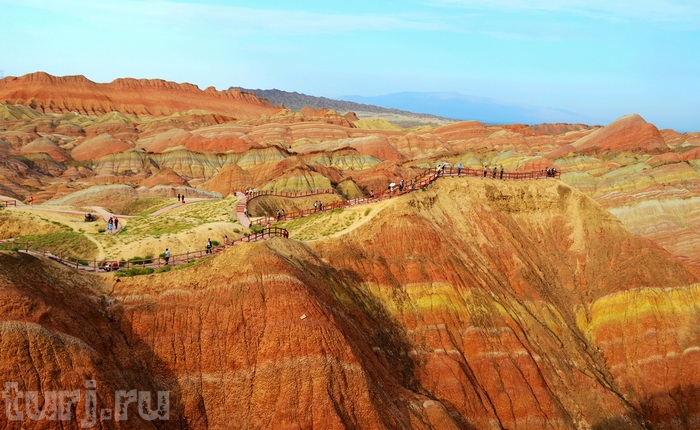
column 99, row 146
column 228, row 180
column 138, row 97
column 626, row 165
column 59, row 341
column 473, row 304
column 630, row 132
column 509, row 292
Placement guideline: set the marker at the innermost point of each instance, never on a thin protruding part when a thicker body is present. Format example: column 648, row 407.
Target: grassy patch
column 324, row 224
column 191, row 263
column 146, row 206
column 164, row 269
column 157, row 226
column 69, row 243
column 208, row 211
column 17, row 223
column 134, row 271
column 139, row 260
column 9, row 246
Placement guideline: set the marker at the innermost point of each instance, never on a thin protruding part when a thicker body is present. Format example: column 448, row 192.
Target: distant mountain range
column 296, row 101
column 464, row 107
column 437, row 107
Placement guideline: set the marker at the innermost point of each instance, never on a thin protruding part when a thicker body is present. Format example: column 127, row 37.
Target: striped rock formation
column 473, row 304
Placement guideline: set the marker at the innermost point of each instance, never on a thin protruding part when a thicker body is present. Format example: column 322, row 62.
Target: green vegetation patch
column 14, row 224
column 134, row 271
column 158, row 225
column 207, row 211
column 146, row 206
column 67, row 243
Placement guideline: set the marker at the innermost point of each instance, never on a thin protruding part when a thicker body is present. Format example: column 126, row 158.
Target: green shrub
column 135, row 271
column 139, row 260
column 164, row 269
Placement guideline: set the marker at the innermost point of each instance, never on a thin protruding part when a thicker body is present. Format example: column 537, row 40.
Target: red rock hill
column 154, row 97
column 471, row 305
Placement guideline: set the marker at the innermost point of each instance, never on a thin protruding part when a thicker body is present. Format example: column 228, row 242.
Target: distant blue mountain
column 463, row 107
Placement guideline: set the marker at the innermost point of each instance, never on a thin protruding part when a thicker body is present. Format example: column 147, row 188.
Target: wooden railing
column 7, row 203
column 262, row 193
column 498, row 173
column 427, row 177
column 94, row 265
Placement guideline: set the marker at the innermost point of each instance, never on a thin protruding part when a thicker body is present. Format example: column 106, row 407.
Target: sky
column 597, row 59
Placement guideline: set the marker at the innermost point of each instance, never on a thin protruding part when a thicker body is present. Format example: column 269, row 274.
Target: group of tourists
column 494, row 172
column 208, row 248
column 181, row 198
column 318, row 206
column 112, row 224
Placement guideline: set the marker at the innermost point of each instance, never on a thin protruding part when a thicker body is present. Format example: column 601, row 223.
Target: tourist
column 495, row 170
column 226, row 241
column 459, row 169
column 501, row 172
column 110, row 225
column 209, row 246
column 167, row 256
column 116, row 223
column 486, row 169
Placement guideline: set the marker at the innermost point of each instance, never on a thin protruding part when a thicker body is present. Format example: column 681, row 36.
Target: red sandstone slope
column 474, row 304
column 629, row 133
column 57, row 334
column 527, row 305
column 153, row 97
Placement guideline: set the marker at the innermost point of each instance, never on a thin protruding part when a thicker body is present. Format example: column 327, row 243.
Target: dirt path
column 242, row 209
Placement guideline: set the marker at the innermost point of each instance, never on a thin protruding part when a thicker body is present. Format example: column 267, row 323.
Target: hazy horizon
column 596, row 59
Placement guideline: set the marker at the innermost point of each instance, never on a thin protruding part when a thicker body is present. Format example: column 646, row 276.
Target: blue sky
column 600, row 59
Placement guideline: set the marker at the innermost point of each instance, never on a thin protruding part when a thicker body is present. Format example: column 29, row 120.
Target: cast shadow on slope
column 381, row 343
column 59, row 331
